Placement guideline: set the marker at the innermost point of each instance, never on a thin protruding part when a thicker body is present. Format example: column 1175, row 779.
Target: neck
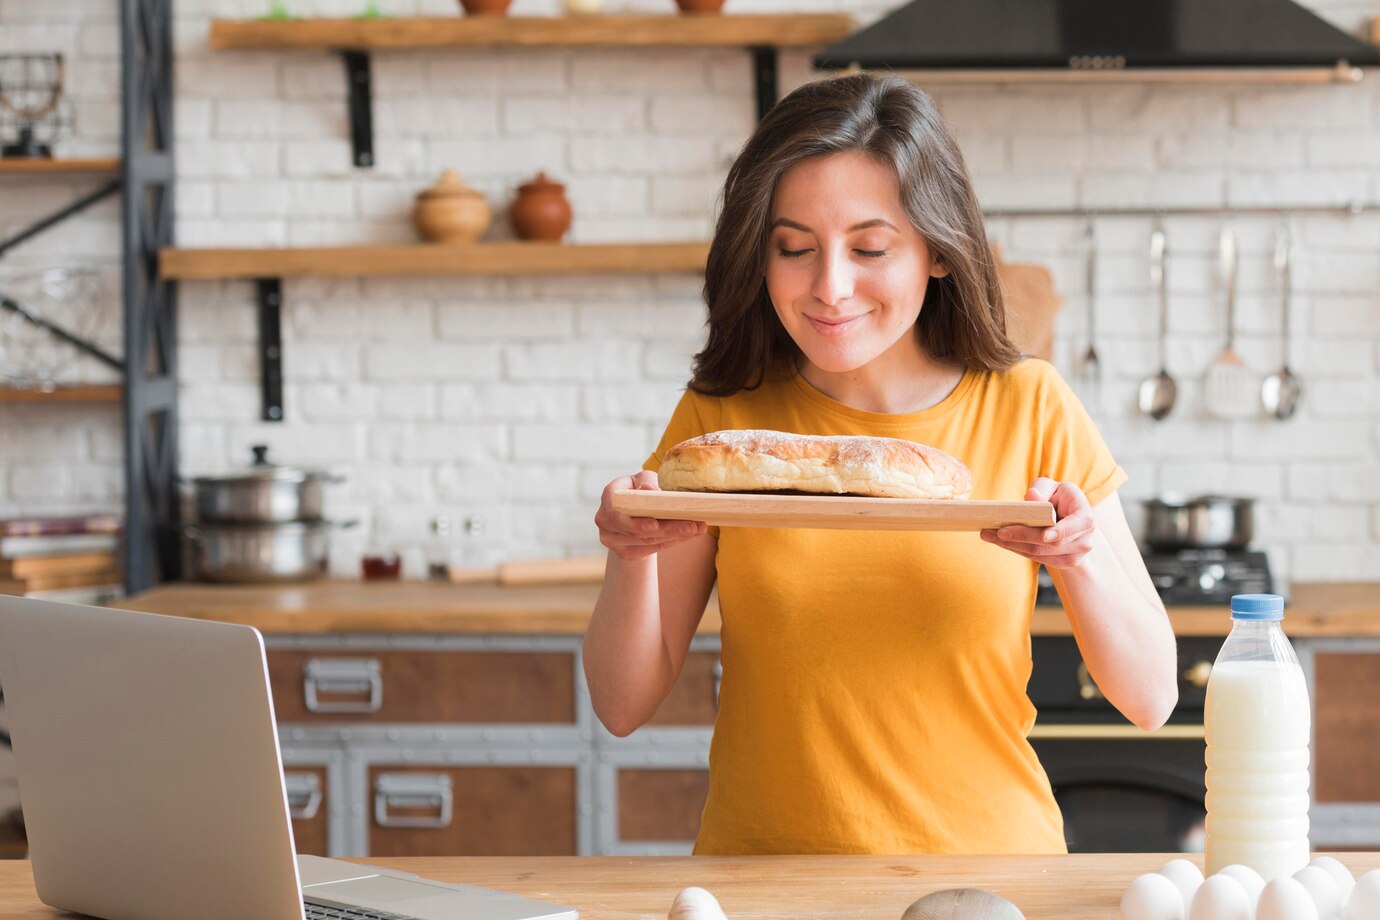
column 899, row 381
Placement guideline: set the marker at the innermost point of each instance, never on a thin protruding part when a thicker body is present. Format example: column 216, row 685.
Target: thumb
column 1041, row 489
column 645, row 479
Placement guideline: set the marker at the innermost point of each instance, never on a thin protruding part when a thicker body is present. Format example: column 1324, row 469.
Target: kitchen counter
column 1314, row 609
column 1085, row 887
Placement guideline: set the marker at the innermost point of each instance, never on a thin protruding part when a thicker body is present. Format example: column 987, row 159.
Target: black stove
column 1195, row 577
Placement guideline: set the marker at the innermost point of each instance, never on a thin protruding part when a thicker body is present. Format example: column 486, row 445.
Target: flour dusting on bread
column 756, row 460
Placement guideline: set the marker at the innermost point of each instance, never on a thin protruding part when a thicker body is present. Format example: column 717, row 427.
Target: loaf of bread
column 771, row 461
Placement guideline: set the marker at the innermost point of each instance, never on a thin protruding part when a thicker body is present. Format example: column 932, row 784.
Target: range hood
column 1096, row 39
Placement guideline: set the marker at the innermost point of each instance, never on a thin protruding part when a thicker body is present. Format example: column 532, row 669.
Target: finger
column 1074, row 527
column 1041, row 489
column 1017, row 534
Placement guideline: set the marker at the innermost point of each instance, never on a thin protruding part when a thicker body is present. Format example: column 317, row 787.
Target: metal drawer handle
column 1087, row 687
column 303, row 795
column 412, row 790
column 360, row 677
column 1197, row 675
column 718, row 681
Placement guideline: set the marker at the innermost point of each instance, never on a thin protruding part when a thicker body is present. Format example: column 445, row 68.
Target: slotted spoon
column 1229, row 389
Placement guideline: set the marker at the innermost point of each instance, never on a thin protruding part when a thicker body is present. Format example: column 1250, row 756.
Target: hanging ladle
column 1280, row 392
column 1159, row 391
column 1091, row 365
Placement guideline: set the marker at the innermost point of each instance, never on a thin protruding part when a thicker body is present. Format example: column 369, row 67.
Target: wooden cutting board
column 588, row 570
column 830, row 512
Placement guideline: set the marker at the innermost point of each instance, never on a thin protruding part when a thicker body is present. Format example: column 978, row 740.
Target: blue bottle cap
column 1257, row 607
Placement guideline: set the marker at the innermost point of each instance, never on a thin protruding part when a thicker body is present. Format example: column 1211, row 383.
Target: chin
column 837, row 360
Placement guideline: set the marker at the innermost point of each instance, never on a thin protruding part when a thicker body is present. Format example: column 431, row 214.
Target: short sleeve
column 1073, row 449
column 689, row 420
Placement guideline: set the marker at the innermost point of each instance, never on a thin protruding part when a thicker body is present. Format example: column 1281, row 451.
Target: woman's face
column 846, row 271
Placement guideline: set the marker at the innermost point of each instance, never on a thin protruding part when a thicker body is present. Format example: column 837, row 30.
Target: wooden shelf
column 435, row 259
column 15, row 165
column 778, row 31
column 71, row 394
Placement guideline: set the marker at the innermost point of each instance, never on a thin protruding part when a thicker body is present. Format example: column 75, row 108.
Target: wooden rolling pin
column 585, row 570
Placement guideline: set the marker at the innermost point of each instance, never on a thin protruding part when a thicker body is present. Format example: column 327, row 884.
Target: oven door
column 1126, row 793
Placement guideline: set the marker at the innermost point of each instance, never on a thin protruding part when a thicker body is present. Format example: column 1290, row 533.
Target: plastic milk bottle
column 1258, row 728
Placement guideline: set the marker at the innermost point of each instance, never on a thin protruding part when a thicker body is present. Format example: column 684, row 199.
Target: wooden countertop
column 1315, row 609
column 1085, row 887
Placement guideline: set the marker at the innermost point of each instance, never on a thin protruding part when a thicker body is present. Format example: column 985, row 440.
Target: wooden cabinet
column 421, row 810
column 694, row 700
column 1346, row 727
column 308, row 804
column 482, row 746
column 444, row 686
column 660, row 805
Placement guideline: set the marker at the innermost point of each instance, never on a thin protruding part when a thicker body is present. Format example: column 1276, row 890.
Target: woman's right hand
column 631, row 538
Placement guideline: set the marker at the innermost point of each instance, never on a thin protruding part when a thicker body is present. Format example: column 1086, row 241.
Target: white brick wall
column 518, row 398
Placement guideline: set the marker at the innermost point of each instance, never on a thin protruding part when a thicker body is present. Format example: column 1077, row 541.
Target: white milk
column 1258, row 728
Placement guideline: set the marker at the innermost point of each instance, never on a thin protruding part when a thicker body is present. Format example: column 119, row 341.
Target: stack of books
column 72, row 558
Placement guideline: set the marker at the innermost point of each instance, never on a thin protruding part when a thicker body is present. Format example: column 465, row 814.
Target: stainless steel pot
column 258, row 553
column 1200, row 522
column 264, row 493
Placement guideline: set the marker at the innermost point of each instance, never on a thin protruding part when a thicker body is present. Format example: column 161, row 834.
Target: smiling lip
column 834, row 326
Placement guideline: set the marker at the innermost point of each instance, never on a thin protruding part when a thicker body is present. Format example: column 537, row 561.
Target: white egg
column 1285, row 899
column 1364, row 903
column 695, row 904
column 1185, row 876
column 1152, row 897
column 1250, row 880
column 1340, row 874
column 1220, row 897
column 1321, row 888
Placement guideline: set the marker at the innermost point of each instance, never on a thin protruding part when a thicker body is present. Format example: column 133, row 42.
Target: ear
column 938, row 270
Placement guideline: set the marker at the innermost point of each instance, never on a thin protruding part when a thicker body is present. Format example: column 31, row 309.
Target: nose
column 833, row 281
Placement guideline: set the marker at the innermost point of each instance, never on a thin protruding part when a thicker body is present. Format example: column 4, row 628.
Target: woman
column 873, row 695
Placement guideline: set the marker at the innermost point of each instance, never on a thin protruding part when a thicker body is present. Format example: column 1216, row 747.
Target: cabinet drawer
column 694, row 700
column 423, row 686
column 660, row 805
column 472, row 811
column 1346, row 727
column 309, row 805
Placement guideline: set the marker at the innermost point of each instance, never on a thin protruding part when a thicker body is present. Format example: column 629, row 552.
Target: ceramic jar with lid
column 486, row 7
column 451, row 211
column 700, row 6
column 540, row 211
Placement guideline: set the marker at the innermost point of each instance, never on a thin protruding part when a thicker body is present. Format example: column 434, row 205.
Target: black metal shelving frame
column 152, row 516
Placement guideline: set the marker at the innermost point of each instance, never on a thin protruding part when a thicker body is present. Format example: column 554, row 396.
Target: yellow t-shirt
column 873, row 696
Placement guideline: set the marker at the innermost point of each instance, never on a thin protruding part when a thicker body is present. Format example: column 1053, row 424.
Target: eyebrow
column 867, row 224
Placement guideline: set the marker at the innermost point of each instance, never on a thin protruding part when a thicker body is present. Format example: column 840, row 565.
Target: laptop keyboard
column 318, row 911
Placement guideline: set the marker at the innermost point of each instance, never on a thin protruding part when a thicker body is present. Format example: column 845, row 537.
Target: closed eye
column 871, row 253
column 793, row 253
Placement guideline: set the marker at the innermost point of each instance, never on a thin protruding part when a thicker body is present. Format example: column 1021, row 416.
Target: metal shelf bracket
column 360, row 84
column 271, row 347
column 764, row 78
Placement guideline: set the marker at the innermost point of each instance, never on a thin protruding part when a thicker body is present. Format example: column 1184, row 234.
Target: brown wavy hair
column 962, row 317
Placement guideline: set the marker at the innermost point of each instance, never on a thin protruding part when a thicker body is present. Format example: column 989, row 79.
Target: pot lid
column 450, row 186
column 262, row 471
column 541, row 183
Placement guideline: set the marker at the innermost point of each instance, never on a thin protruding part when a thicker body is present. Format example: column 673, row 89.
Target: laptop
column 152, row 783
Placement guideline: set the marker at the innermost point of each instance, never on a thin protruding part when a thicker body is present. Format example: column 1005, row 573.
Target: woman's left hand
column 1067, row 542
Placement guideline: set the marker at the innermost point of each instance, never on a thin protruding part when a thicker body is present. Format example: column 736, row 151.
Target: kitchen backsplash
column 517, row 399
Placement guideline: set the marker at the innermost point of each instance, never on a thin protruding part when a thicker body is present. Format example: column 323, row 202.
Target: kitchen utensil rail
column 830, row 512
